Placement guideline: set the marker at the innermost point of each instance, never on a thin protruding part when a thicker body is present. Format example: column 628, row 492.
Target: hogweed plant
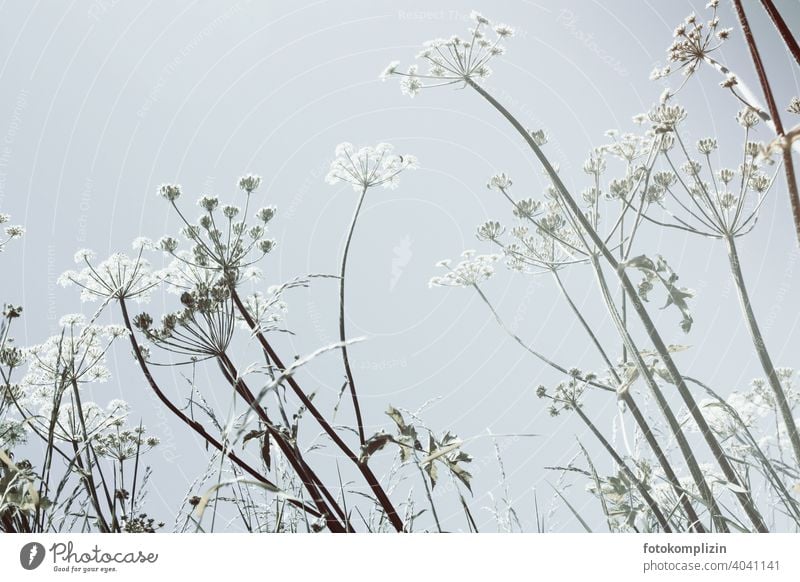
column 212, row 264
column 695, row 41
column 566, row 231
column 365, row 168
column 280, row 459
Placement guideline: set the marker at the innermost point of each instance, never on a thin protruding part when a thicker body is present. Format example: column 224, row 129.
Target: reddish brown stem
column 193, row 424
column 788, row 163
column 311, row 482
column 783, row 29
column 369, row 476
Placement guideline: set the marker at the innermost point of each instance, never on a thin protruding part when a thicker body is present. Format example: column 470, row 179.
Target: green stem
column 638, row 416
column 761, row 348
column 675, row 426
column 630, row 474
column 744, row 497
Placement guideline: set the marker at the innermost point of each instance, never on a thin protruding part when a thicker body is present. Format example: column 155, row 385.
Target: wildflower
column 249, row 183
column 730, row 81
column 267, row 309
column 368, row 166
column 208, row 203
column 666, row 117
column 499, row 182
column 455, row 59
column 747, row 118
column 540, row 138
column 77, row 355
column 390, row 70
column 472, row 270
column 490, row 230
column 266, row 214
column 119, row 276
column 15, row 231
column 170, row 192
column 693, row 43
column 706, row 145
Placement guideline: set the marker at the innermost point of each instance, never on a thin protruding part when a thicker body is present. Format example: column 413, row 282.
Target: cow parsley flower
column 472, row 270
column 221, row 240
column 12, row 231
column 693, row 42
column 120, row 276
column 76, row 355
column 454, row 60
column 368, row 166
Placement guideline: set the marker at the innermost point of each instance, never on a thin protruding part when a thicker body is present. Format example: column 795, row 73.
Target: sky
column 101, row 102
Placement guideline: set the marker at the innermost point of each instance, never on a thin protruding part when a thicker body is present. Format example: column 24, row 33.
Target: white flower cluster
column 12, row 231
column 120, row 276
column 472, row 270
column 368, row 166
column 455, row 59
column 693, row 42
column 75, row 356
column 220, row 243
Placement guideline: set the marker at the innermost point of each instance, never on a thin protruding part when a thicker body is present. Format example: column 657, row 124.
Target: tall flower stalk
column 453, row 57
column 365, row 168
column 723, row 204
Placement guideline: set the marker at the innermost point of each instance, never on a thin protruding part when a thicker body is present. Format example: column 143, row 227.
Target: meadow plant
column 599, row 229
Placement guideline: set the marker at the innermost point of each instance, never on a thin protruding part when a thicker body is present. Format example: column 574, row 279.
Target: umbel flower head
column 11, row 231
column 472, row 270
column 368, row 166
column 77, row 355
column 222, row 241
column 693, row 43
column 120, row 276
column 454, row 60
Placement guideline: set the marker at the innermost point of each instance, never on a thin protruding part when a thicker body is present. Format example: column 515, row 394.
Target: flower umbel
column 472, row 270
column 455, row 59
column 368, row 166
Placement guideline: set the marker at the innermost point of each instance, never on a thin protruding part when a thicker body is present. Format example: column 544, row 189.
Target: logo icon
column 31, row 555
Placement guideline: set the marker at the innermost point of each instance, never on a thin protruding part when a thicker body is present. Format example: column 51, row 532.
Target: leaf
column 463, row 475
column 734, row 487
column 442, row 451
column 204, row 500
column 374, row 444
column 397, row 417
column 265, row 451
column 660, row 271
column 574, row 512
column 430, row 467
column 253, row 434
